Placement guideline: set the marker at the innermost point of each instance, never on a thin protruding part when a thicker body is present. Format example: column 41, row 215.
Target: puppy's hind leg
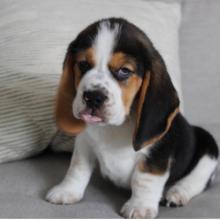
column 191, row 185
column 200, row 176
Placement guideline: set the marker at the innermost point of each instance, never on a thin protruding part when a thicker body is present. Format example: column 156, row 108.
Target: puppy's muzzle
column 94, row 99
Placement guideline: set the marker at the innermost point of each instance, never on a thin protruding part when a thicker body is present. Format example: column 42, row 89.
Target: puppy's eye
column 84, row 66
column 123, row 73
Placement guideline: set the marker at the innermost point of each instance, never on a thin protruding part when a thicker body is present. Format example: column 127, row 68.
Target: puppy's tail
column 205, row 143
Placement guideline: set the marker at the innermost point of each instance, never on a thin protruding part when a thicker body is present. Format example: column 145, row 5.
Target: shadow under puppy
column 116, row 95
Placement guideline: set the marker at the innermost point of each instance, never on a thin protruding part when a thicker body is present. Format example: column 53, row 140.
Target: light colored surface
column 24, row 183
column 200, row 54
column 33, row 41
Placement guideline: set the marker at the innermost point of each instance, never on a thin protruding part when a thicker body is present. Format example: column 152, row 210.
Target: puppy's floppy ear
column 157, row 105
column 66, row 94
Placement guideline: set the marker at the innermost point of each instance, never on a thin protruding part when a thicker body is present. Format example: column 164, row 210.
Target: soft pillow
column 34, row 38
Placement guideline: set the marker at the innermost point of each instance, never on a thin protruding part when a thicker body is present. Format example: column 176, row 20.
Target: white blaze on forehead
column 104, row 43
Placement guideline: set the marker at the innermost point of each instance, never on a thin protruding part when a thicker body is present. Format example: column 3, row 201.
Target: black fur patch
column 184, row 145
column 160, row 101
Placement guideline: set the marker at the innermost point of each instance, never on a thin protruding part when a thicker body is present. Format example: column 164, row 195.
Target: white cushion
column 33, row 42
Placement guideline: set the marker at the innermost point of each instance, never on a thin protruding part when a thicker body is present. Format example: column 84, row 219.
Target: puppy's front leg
column 147, row 186
column 72, row 188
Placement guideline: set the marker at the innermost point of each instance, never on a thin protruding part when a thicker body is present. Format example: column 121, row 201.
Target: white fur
column 101, row 77
column 118, row 162
column 147, row 190
column 72, row 188
column 115, row 156
column 193, row 184
column 104, row 44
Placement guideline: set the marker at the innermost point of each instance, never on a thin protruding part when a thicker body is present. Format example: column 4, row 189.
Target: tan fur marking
column 144, row 168
column 88, row 55
column 77, row 76
column 142, row 95
column 120, row 60
column 129, row 90
column 153, row 169
column 66, row 93
column 131, row 86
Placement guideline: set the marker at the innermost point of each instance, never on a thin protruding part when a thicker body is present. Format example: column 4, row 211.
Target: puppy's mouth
column 91, row 116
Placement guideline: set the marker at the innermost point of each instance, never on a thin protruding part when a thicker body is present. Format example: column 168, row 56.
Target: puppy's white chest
column 117, row 164
column 114, row 152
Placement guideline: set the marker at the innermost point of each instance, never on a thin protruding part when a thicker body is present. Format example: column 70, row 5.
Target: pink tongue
column 87, row 117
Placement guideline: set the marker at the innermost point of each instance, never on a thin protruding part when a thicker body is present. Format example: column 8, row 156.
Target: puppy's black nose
column 94, row 99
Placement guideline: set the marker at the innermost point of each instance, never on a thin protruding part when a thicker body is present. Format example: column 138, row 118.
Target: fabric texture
column 33, row 42
column 23, row 184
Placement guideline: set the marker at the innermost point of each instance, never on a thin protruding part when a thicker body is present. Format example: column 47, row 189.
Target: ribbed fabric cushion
column 33, row 40
column 26, row 119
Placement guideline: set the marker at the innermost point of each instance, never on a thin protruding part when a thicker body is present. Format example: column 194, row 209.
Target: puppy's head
column 110, row 68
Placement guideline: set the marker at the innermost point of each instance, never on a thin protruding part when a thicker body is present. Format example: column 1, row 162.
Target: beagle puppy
column 117, row 98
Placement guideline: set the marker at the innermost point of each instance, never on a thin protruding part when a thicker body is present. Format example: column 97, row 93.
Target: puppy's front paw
column 62, row 195
column 135, row 209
